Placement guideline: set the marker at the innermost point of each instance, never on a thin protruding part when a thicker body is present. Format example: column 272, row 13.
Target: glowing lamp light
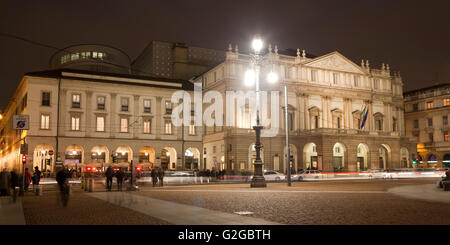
column 99, row 153
column 74, row 152
column 257, row 45
column 146, row 153
column 167, row 153
column 43, row 152
column 249, row 78
column 272, row 77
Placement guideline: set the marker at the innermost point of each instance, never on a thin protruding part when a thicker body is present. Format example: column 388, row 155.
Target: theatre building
column 326, row 97
column 87, row 113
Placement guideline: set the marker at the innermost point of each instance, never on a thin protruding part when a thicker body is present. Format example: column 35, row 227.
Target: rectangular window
column 355, row 81
column 45, row 121
column 45, row 99
column 313, row 75
column 204, row 151
column 214, row 149
column 416, row 123
column 291, row 121
column 430, row 105
column 124, row 104
column 430, row 122
column 168, row 126
column 101, row 103
column 124, row 125
column 338, row 122
column 168, row 105
column 316, row 121
column 446, row 136
column 75, row 123
column 379, row 124
column 445, row 120
column 100, row 124
column 335, row 78
column 76, row 100
column 147, row 108
column 147, row 126
column 430, row 136
column 415, row 107
column 446, row 102
column 192, row 129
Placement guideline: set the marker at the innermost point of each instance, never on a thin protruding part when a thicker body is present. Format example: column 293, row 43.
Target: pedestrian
column 119, row 176
column 5, row 179
column 61, row 178
column 154, row 175
column 14, row 183
column 109, row 178
column 161, row 176
column 27, row 179
column 36, row 178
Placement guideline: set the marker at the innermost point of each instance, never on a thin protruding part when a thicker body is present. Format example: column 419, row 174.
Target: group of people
column 10, row 180
column 157, row 174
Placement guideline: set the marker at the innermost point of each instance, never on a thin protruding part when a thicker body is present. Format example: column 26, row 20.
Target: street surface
column 350, row 202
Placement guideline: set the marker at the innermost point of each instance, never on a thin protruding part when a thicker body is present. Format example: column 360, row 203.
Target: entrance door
column 381, row 163
column 337, row 163
column 314, row 162
column 360, row 163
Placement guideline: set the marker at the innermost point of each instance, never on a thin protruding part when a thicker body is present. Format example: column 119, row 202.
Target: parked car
column 271, row 175
column 307, row 174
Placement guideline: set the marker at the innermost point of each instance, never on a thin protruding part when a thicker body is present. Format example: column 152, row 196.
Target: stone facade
column 426, row 119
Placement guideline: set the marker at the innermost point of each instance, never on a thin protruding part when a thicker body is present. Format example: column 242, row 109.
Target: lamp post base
column 258, row 180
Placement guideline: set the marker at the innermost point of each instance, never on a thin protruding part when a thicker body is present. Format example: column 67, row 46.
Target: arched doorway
column 446, row 161
column 169, row 158
column 362, row 158
column 384, row 156
column 404, row 158
column 338, row 157
column 42, row 158
column 74, row 159
column 192, row 158
column 310, row 156
column 147, row 157
column 123, row 156
column 293, row 158
column 99, row 157
column 252, row 156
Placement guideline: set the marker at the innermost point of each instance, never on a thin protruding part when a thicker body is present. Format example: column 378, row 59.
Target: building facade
column 84, row 118
column 326, row 96
column 426, row 119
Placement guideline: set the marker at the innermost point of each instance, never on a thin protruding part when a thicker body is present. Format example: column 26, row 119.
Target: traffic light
column 24, row 158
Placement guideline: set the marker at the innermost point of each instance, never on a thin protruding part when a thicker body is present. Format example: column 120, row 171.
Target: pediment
column 335, row 61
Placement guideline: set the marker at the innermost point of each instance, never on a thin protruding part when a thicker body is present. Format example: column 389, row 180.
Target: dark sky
column 412, row 36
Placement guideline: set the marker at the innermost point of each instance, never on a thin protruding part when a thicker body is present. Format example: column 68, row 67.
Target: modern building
column 326, row 95
column 426, row 118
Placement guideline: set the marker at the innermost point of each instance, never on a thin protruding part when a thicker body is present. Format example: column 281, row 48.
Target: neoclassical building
column 326, row 96
column 426, row 119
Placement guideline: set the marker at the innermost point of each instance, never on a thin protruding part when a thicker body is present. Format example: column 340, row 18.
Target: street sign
column 50, row 152
column 21, row 122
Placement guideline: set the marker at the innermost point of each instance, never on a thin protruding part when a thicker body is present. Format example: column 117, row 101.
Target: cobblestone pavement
column 359, row 202
column 81, row 210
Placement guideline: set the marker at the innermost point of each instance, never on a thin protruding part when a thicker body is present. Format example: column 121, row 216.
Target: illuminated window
column 147, row 126
column 168, row 126
column 101, row 103
column 446, row 102
column 124, row 104
column 168, row 105
column 100, row 124
column 45, row 121
column 124, row 125
column 430, row 105
column 76, row 100
column 445, row 135
column 192, row 129
column 147, row 108
column 75, row 123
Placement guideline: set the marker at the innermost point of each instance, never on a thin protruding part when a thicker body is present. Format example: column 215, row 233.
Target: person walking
column 161, row 176
column 27, row 179
column 5, row 178
column 154, row 175
column 109, row 178
column 36, row 178
column 61, row 177
column 120, row 175
column 14, row 183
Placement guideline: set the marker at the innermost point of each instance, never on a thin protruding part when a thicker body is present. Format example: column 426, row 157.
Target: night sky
column 413, row 37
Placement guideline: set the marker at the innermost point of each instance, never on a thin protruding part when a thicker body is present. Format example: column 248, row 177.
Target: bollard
column 38, row 190
column 91, row 185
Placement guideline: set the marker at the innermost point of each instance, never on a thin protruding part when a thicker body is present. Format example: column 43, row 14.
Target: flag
column 364, row 115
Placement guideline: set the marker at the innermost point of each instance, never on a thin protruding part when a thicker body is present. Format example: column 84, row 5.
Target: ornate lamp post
column 252, row 77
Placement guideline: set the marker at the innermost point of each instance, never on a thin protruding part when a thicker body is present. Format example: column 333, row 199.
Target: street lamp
column 252, row 77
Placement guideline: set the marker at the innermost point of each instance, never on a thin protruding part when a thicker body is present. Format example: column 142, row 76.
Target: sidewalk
column 11, row 213
column 422, row 192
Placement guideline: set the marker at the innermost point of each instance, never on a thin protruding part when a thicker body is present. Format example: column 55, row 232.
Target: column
column 301, row 112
